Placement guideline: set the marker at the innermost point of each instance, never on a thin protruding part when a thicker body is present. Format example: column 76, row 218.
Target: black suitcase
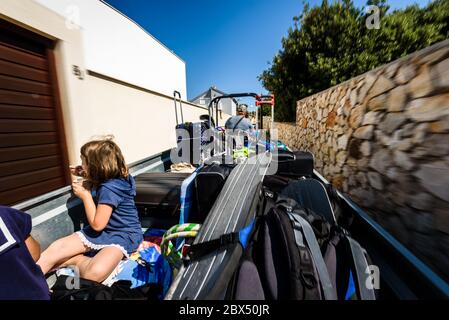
column 294, row 164
column 208, row 184
column 194, row 132
column 158, row 198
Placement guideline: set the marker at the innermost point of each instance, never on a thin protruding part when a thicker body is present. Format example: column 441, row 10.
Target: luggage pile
column 299, row 250
column 274, row 237
column 294, row 246
column 278, row 237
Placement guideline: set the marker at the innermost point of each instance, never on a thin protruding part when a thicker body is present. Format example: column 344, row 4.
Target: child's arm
column 98, row 217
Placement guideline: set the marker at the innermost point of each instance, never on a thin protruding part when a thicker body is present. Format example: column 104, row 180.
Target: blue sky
column 225, row 43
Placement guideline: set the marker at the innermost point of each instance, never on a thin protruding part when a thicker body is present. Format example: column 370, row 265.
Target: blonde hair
column 104, row 160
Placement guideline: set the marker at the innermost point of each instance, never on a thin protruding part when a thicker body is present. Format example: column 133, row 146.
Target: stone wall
column 383, row 138
column 286, row 130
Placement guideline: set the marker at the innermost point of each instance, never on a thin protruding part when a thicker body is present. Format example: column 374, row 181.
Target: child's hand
column 79, row 190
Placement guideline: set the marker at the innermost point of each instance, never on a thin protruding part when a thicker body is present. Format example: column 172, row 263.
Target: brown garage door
column 33, row 157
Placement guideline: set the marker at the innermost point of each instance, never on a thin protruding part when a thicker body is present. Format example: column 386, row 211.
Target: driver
column 239, row 121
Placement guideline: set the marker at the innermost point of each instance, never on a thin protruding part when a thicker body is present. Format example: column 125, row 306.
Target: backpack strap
column 307, row 269
column 306, row 261
column 199, row 250
column 235, row 126
column 302, row 225
column 360, row 266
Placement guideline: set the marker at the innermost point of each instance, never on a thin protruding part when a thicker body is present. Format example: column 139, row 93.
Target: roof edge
column 143, row 29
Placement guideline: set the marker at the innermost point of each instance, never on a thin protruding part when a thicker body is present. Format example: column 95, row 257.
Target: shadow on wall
column 383, row 138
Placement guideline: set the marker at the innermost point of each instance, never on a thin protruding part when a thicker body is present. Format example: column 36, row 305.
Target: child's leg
column 101, row 265
column 60, row 251
column 74, row 261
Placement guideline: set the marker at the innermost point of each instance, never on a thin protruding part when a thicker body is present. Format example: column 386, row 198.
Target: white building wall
column 117, row 47
column 142, row 121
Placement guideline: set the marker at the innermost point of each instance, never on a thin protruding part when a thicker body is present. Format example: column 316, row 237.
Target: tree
column 330, row 43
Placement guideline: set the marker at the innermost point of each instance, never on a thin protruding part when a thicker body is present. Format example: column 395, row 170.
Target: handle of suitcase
column 178, row 94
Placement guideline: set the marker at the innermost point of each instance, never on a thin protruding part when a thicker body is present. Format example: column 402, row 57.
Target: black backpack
column 287, row 253
column 347, row 262
column 91, row 290
column 298, row 254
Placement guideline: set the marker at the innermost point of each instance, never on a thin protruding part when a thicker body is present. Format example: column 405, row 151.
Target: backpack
column 287, row 253
column 300, row 253
column 92, row 290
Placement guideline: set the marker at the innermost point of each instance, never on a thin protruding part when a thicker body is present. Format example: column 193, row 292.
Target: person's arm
column 249, row 125
column 97, row 217
column 24, row 225
column 33, row 247
column 227, row 123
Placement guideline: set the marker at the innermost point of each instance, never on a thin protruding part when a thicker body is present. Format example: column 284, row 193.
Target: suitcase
column 208, row 184
column 195, row 132
column 294, row 164
column 158, row 198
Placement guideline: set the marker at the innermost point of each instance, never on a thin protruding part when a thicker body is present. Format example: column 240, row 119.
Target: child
column 114, row 229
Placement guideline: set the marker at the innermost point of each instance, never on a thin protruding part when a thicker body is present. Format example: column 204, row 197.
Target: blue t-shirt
column 238, row 123
column 20, row 277
column 123, row 227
